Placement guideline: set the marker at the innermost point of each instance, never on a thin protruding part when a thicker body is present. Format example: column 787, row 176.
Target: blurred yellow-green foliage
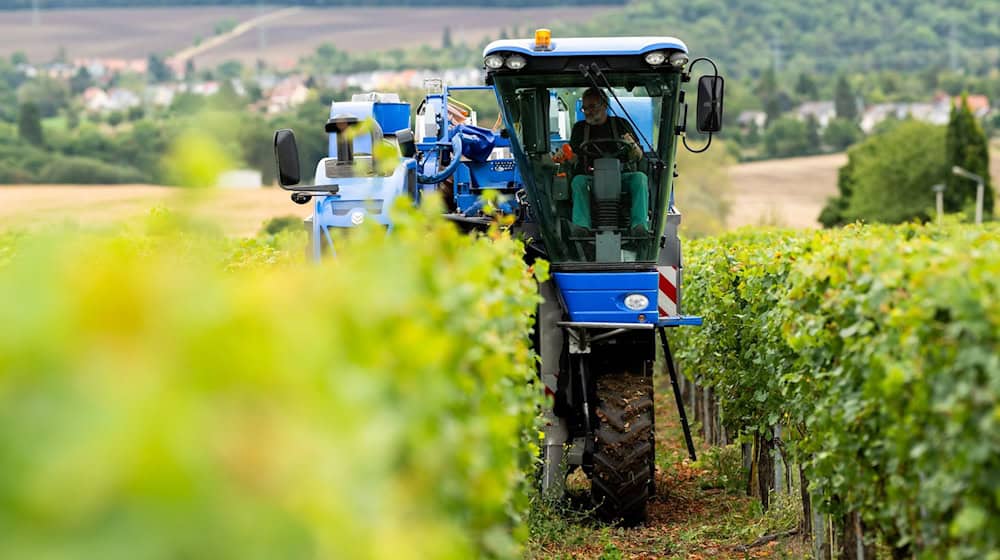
column 168, row 393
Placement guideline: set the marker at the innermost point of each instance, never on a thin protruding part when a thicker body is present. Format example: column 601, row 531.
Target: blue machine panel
column 600, row 297
column 392, row 117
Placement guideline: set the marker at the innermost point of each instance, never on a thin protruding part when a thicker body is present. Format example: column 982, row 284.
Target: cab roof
column 583, row 46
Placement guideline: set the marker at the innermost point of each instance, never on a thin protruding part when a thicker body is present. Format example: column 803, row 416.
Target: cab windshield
column 595, row 164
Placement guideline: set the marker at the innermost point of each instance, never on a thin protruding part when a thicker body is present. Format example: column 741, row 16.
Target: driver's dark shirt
column 597, row 132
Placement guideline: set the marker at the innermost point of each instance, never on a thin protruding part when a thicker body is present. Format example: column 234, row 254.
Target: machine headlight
column 678, row 59
column 493, row 62
column 636, row 302
column 655, row 58
column 516, row 62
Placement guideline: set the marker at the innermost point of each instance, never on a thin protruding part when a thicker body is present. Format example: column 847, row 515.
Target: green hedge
column 167, row 395
column 879, row 349
column 87, row 171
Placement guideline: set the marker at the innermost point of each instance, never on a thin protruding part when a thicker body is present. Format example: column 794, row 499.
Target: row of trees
column 815, row 36
column 888, row 177
column 133, row 151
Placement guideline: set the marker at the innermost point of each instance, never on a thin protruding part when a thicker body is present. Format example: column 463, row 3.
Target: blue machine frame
column 364, row 198
column 470, row 178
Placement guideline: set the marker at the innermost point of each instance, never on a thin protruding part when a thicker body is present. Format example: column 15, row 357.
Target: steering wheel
column 619, row 148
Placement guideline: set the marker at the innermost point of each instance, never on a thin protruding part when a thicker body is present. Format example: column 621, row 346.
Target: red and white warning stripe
column 668, row 299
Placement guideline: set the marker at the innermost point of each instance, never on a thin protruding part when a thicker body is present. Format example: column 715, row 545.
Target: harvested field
column 367, row 29
column 135, row 33
column 786, row 192
column 112, row 33
column 237, row 212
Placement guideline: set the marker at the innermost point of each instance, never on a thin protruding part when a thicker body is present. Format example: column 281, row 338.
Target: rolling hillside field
column 786, row 192
column 135, row 33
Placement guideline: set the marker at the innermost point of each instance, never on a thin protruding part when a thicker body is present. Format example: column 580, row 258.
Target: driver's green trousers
column 633, row 182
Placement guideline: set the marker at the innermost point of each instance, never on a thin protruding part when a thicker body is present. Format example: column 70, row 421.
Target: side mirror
column 287, row 155
column 710, row 94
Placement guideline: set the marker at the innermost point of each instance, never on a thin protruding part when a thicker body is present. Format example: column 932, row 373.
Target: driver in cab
column 599, row 134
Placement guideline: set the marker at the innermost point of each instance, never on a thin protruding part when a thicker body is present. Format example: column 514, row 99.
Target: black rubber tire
column 621, row 482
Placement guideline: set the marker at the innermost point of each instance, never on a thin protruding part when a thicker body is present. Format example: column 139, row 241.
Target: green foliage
column 115, row 118
column 788, row 137
column 891, row 174
column 844, row 100
column 835, row 210
column 767, row 91
column 281, row 223
column 29, row 124
column 80, row 81
column 724, row 468
column 222, row 399
column 806, row 87
column 20, row 162
column 87, row 171
column 230, row 70
column 158, row 69
column 854, row 36
column 48, row 94
column 611, row 552
column 878, row 348
column 966, row 146
column 840, row 134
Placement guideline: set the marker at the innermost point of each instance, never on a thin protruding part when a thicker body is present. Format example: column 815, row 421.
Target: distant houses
column 286, row 94
column 283, row 92
column 105, row 67
column 97, row 100
column 822, row 111
column 935, row 112
column 747, row 119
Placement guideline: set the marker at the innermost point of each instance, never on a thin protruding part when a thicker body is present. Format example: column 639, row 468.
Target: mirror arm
column 692, row 150
column 715, row 69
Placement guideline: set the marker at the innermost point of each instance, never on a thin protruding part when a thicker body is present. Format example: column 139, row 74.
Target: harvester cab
column 602, row 203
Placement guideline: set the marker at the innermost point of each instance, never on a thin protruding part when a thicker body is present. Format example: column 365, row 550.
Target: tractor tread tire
column 623, row 450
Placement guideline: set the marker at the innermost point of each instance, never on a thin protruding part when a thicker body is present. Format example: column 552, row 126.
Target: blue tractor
column 607, row 223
